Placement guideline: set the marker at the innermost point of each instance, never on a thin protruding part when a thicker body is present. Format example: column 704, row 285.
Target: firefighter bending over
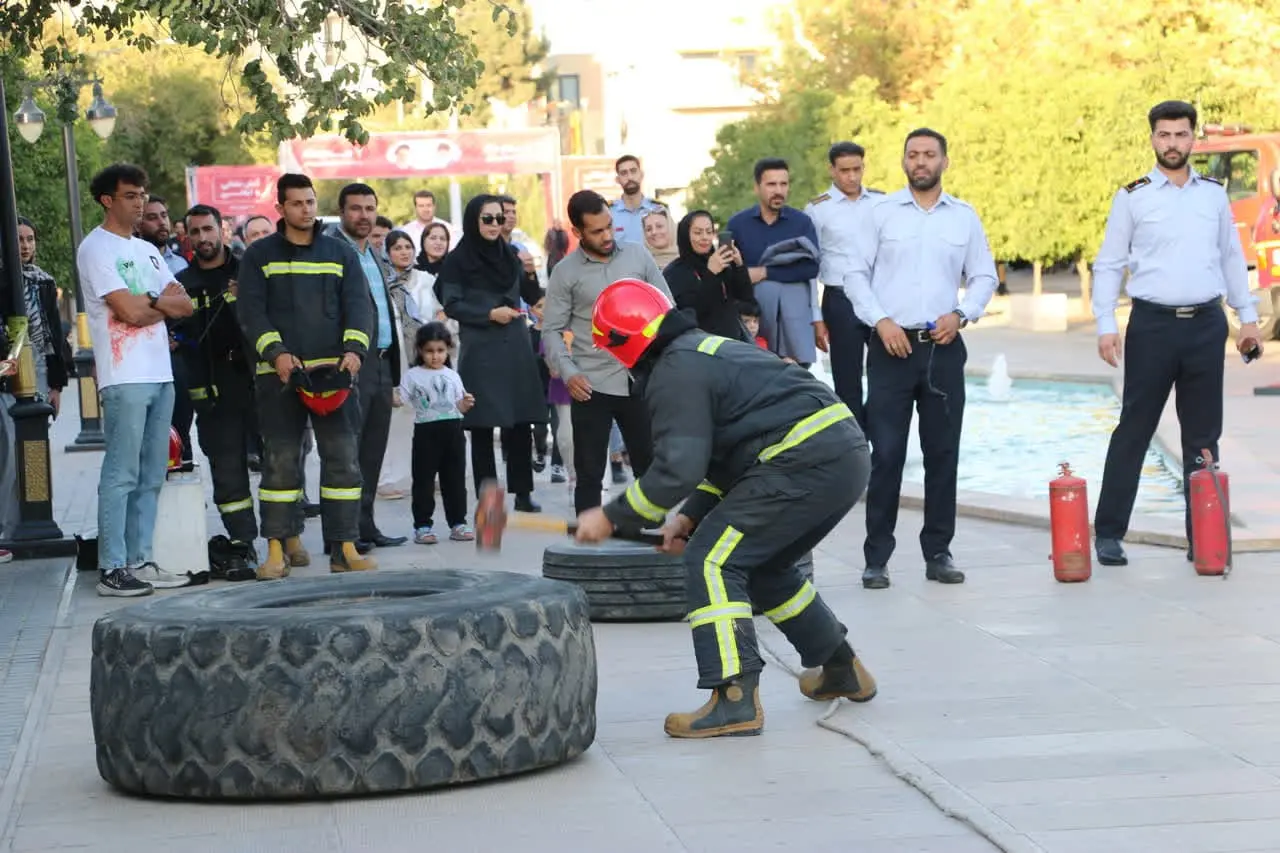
column 771, row 462
column 306, row 310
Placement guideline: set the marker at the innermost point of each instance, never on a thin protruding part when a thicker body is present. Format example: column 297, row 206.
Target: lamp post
column 36, row 534
column 101, row 117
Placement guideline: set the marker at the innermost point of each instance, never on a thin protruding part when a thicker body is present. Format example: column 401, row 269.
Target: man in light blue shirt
column 380, row 373
column 924, row 244
column 842, row 217
column 1172, row 229
column 629, row 211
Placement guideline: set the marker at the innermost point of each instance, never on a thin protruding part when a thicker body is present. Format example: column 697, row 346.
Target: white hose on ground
column 949, row 799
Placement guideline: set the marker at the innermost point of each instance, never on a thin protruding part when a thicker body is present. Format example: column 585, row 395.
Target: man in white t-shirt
column 128, row 294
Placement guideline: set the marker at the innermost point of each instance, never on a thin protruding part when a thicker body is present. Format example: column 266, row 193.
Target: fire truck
column 1248, row 165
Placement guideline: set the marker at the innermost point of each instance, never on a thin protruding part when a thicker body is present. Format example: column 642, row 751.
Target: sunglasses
column 491, row 219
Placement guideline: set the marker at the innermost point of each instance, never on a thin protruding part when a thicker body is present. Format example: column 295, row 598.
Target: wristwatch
column 154, row 297
column 964, row 321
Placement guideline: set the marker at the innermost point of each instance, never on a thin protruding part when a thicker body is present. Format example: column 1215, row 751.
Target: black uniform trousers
column 183, row 410
column 1163, row 351
column 592, row 422
column 849, row 339
column 930, row 380
column 221, row 420
column 746, row 548
column 517, row 446
column 375, row 427
column 439, row 448
column 337, row 435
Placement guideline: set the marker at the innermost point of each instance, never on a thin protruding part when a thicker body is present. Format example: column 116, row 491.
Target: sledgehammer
column 491, row 520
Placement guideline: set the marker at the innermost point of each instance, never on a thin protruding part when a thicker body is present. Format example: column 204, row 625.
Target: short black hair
column 585, row 202
column 354, row 189
column 424, row 194
column 1172, row 111
column 383, row 222
column 158, row 199
column 926, row 133
column 625, row 158
column 769, row 164
column 845, row 149
column 292, row 181
column 109, row 180
column 748, row 308
column 204, row 210
column 396, row 235
column 506, row 199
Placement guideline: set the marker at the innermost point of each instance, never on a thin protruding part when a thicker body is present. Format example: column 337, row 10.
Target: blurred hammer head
column 491, row 516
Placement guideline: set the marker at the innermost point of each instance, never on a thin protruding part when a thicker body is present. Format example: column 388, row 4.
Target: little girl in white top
column 434, row 391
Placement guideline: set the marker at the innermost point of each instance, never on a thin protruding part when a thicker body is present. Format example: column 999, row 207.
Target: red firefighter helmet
column 323, row 388
column 175, row 449
column 626, row 318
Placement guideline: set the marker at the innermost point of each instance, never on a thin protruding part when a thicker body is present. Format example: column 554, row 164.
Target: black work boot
column 875, row 577
column 1110, row 552
column 942, row 570
column 733, row 710
column 843, row 676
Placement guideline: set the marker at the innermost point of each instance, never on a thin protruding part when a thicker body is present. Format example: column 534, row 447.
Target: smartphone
column 724, row 238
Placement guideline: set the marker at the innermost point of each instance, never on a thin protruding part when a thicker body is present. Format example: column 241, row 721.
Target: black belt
column 919, row 336
column 1182, row 312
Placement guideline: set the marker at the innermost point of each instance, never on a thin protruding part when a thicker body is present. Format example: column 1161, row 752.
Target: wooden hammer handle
column 641, row 536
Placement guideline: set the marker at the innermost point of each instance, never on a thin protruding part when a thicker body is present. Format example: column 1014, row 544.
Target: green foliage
column 508, row 56
column 1043, row 104
column 280, row 51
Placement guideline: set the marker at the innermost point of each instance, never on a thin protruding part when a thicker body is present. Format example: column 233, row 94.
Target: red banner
column 236, row 191
column 425, row 154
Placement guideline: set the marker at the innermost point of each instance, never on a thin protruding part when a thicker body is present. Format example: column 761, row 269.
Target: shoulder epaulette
column 874, row 191
column 1141, row 182
column 1211, row 179
column 820, row 199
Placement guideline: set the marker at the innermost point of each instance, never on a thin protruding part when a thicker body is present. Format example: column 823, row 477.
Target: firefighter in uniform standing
column 841, row 215
column 220, row 384
column 1173, row 230
column 304, row 303
column 770, row 462
column 924, row 242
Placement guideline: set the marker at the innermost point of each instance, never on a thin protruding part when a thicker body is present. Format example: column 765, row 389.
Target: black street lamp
column 101, row 116
column 37, row 534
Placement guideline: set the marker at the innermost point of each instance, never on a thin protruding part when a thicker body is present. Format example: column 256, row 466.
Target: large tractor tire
column 623, row 581
column 343, row 685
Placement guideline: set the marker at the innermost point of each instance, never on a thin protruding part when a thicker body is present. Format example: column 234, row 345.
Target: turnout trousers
column 283, row 418
column 746, row 548
column 223, row 415
column 1165, row 349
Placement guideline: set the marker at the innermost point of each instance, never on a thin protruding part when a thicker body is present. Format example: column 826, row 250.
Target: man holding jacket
column 304, row 304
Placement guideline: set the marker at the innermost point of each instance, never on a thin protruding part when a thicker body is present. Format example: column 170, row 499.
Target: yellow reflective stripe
column 356, row 335
column 228, row 297
column 302, row 268
column 267, row 339
column 339, row 494
column 794, row 605
column 652, row 328
column 236, row 506
column 265, row 369
column 710, row 489
column 280, row 496
column 807, row 429
column 710, row 344
column 595, row 331
column 730, row 664
column 642, row 505
column 719, row 613
column 199, row 393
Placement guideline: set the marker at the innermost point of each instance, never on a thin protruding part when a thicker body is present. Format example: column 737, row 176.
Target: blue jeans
column 135, row 424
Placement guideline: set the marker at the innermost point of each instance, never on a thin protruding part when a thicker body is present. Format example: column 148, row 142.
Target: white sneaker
column 160, row 579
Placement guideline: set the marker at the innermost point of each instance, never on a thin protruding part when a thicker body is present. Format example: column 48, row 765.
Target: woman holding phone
column 708, row 278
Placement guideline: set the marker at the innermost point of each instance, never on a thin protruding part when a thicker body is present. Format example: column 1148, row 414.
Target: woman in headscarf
column 708, row 279
column 659, row 236
column 480, row 285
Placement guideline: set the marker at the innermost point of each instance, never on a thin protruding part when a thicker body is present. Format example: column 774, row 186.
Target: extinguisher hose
column 1212, row 467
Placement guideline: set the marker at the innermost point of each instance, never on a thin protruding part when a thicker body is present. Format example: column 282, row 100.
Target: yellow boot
column 838, row 679
column 298, row 556
column 733, row 710
column 274, row 567
column 345, row 558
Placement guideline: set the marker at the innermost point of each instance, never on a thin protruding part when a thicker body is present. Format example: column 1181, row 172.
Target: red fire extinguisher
column 1211, row 518
column 1069, row 527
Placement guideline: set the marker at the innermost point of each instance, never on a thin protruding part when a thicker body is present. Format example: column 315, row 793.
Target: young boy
column 770, row 462
column 749, row 312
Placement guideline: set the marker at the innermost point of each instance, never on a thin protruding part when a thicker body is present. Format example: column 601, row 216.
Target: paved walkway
column 1137, row 712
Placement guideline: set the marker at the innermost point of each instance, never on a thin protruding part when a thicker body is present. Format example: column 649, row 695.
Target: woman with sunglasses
column 481, row 285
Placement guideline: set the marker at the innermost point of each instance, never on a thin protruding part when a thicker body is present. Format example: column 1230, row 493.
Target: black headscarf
column 421, row 261
column 477, row 262
column 685, row 243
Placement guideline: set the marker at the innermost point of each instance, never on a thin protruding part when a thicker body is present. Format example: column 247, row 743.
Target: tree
column 510, row 55
column 278, row 51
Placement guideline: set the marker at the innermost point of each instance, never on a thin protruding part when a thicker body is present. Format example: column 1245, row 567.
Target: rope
column 947, row 798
